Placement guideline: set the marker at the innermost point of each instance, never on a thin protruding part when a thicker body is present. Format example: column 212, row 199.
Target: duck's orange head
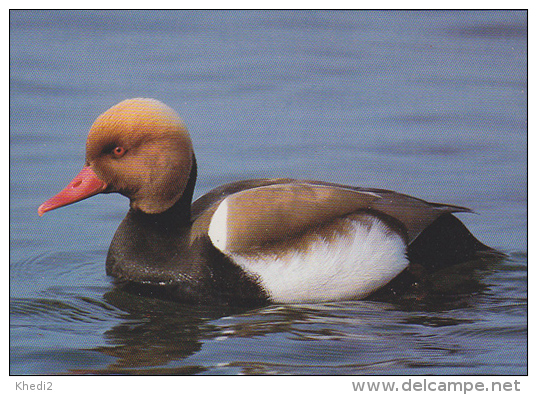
column 139, row 148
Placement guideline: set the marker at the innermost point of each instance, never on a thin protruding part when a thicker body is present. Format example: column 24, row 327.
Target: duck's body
column 269, row 239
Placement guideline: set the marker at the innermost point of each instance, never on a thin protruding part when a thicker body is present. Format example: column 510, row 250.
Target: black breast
column 152, row 254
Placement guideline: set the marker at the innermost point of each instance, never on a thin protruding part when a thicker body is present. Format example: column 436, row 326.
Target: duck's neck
column 179, row 214
column 153, row 253
column 182, row 207
column 152, row 242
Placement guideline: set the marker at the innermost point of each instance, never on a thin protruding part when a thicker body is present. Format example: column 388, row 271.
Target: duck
column 269, row 240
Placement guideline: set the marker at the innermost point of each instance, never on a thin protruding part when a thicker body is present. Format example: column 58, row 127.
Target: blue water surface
column 428, row 103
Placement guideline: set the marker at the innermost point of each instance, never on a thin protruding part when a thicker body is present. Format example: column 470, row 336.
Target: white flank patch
column 351, row 266
column 218, row 227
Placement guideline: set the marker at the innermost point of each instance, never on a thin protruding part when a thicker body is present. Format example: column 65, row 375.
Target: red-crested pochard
column 278, row 240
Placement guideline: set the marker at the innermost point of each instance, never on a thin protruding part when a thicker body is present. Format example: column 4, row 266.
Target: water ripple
column 56, row 311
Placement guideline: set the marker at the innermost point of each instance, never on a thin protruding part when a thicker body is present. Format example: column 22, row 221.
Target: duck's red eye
column 118, row 151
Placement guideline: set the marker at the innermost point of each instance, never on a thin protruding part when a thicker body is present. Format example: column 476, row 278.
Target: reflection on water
column 156, row 332
column 370, row 337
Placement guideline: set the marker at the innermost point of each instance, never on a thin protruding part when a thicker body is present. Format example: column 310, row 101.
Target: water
column 432, row 104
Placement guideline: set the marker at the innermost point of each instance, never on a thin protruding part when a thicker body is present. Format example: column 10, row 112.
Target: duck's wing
column 414, row 214
column 244, row 216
